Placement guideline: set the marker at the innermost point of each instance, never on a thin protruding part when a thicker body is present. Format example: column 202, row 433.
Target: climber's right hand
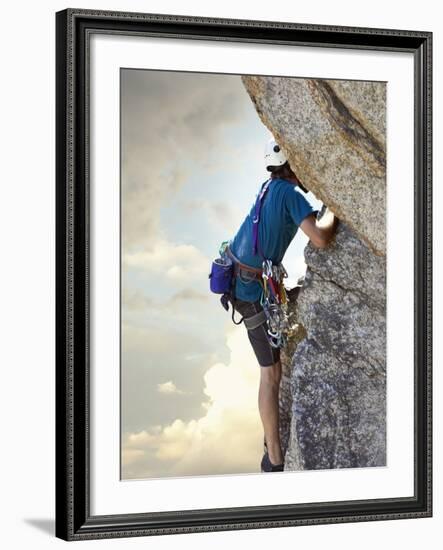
column 320, row 232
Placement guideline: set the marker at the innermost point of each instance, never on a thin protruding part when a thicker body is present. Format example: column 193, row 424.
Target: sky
column 191, row 164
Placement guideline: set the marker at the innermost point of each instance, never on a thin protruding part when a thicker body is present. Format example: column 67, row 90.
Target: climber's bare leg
column 268, row 408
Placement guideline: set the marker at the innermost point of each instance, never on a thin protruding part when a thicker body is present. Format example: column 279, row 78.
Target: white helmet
column 274, row 156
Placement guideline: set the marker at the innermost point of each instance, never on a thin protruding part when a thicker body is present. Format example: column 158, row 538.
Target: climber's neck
column 293, row 179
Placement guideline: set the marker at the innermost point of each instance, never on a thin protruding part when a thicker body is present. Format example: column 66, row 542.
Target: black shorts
column 266, row 354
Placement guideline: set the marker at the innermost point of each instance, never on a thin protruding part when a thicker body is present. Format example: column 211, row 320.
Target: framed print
column 243, row 239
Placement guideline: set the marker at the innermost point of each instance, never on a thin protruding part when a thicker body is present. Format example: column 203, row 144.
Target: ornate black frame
column 73, row 30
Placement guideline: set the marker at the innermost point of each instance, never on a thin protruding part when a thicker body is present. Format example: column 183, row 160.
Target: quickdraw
column 274, row 301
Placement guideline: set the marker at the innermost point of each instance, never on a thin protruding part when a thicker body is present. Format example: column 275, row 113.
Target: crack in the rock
column 359, row 293
column 349, row 125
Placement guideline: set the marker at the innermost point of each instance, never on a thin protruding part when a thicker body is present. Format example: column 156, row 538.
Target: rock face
column 333, row 391
column 338, row 370
column 333, row 133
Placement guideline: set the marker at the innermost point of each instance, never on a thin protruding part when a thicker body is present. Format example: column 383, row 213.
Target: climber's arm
column 320, row 232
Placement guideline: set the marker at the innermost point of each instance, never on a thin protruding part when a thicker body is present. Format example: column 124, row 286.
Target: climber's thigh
column 266, row 355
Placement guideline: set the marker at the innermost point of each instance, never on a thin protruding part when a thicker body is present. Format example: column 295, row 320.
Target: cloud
column 157, row 348
column 219, row 213
column 169, row 388
column 172, row 125
column 135, row 300
column 189, row 294
column 177, row 262
column 129, row 456
column 226, row 438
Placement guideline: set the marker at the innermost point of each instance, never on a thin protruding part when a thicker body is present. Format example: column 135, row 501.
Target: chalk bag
column 220, row 278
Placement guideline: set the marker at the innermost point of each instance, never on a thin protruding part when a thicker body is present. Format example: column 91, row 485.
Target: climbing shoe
column 267, row 466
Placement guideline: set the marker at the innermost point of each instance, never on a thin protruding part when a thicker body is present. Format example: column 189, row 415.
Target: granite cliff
column 333, row 391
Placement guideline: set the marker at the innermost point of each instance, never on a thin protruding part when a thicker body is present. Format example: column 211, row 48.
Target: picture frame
column 74, row 29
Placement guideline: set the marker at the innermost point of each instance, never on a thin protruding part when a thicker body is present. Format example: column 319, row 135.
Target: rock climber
column 284, row 209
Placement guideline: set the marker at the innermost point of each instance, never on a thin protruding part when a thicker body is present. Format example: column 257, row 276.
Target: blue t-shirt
column 283, row 209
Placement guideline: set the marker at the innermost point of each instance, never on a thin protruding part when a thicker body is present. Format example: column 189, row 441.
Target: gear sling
column 273, row 299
